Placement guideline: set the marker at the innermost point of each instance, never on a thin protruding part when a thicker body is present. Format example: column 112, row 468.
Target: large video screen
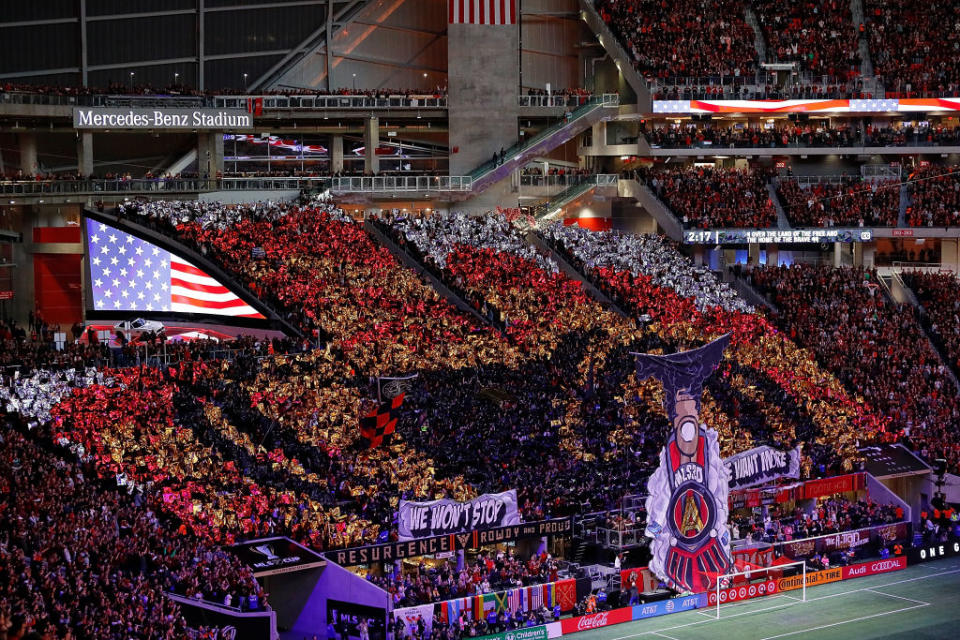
column 130, row 274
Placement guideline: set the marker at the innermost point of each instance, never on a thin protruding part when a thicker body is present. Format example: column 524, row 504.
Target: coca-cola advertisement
column 596, row 620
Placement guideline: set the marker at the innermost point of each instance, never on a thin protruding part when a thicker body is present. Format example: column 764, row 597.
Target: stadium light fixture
column 245, row 76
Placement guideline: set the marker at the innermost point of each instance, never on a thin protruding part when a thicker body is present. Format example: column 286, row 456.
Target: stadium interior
column 502, row 319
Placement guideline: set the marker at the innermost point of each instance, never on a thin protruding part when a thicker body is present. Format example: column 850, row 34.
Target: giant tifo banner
column 867, row 105
column 761, row 465
column 391, row 551
column 443, row 517
column 880, row 535
column 687, row 504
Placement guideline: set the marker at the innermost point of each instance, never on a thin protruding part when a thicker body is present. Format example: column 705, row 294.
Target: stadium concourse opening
column 493, row 319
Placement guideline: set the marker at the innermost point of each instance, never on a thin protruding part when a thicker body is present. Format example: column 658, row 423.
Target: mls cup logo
column 687, row 506
column 266, row 550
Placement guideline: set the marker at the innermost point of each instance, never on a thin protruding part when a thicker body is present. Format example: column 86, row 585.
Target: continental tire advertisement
column 813, row 579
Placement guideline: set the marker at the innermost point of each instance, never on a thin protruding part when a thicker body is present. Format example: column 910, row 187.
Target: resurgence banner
column 443, row 517
column 761, row 465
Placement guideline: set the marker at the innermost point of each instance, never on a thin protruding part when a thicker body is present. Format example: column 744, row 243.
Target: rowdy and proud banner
column 761, row 465
column 444, row 517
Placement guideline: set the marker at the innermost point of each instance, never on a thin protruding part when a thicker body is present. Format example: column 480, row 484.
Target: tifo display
column 615, row 312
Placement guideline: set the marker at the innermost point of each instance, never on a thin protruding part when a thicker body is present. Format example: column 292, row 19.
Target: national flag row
column 562, row 592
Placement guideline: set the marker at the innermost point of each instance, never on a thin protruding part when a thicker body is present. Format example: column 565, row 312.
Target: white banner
column 443, row 517
column 761, row 465
column 412, row 615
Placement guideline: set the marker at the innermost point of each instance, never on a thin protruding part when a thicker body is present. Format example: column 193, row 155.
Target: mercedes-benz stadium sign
column 166, row 119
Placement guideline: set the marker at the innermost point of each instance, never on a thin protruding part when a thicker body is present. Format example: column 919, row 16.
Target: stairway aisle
column 782, row 222
column 904, row 205
column 410, row 262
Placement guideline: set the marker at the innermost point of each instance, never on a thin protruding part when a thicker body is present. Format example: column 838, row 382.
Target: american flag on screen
column 482, row 11
column 130, row 274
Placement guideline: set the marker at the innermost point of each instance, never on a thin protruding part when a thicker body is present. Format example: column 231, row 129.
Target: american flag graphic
column 482, row 11
column 130, row 274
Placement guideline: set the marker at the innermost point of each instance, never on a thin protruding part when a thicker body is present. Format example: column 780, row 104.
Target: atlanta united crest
column 687, row 504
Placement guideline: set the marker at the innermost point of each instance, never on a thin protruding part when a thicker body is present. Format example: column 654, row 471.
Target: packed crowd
column 767, row 390
column 675, row 137
column 267, row 444
column 685, row 38
column 79, row 558
column 875, row 346
column 939, row 294
column 914, row 46
column 908, row 135
column 831, row 515
column 819, row 35
column 487, row 573
column 652, row 255
column 808, row 135
column 750, row 88
column 934, row 196
column 569, row 396
column 704, row 197
column 910, row 52
column 852, row 202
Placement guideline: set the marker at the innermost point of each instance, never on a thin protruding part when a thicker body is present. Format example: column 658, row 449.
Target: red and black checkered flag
column 380, row 423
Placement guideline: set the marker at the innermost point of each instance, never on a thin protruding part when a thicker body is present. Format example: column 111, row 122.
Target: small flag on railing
column 388, row 388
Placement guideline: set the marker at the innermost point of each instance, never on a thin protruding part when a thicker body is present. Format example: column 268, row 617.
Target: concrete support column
column 371, row 140
column 336, row 155
column 753, row 254
column 869, row 255
column 857, row 249
column 837, row 254
column 203, row 155
column 482, row 108
column 950, row 254
column 773, row 254
column 698, row 252
column 85, row 153
column 215, row 144
column 209, row 154
column 28, row 153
